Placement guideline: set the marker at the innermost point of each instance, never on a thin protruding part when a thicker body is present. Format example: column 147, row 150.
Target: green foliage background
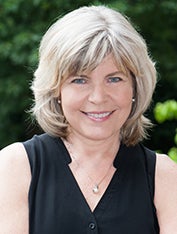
column 22, row 24
column 167, row 111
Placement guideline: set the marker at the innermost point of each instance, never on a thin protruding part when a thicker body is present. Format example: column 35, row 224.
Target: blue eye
column 79, row 81
column 114, row 79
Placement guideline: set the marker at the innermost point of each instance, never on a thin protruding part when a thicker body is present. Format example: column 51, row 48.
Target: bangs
column 87, row 58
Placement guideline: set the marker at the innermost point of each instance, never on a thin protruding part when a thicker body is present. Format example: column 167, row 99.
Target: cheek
column 70, row 100
column 124, row 97
column 65, row 100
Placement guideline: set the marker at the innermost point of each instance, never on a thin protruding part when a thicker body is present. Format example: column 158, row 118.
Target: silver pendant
column 95, row 189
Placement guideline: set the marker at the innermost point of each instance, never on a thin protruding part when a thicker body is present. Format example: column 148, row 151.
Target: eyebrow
column 113, row 73
column 110, row 74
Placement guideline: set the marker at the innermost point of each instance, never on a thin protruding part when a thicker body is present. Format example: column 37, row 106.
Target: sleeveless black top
column 57, row 205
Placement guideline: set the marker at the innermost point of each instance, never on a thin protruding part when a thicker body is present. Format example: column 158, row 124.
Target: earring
column 133, row 99
column 59, row 101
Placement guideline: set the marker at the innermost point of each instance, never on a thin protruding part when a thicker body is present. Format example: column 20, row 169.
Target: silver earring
column 133, row 99
column 59, row 101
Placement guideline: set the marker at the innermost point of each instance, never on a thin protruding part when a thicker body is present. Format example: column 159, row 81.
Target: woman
column 89, row 173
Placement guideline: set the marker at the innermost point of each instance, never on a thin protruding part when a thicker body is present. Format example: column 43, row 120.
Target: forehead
column 108, row 65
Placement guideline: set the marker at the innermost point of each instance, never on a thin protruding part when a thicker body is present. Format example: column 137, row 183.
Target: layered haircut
column 78, row 42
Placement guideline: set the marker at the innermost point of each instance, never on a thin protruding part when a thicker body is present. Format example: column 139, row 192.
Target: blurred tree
column 22, row 24
column 167, row 111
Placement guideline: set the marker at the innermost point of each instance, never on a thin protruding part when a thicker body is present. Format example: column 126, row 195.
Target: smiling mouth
column 98, row 115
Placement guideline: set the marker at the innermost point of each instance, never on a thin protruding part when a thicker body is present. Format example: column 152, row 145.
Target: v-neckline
column 106, row 196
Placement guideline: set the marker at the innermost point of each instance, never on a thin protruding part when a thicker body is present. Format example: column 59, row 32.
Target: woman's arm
column 15, row 179
column 166, row 194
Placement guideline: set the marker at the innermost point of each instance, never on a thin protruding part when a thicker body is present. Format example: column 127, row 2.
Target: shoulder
column 166, row 165
column 14, row 165
column 166, row 193
column 13, row 156
column 166, row 172
column 14, row 183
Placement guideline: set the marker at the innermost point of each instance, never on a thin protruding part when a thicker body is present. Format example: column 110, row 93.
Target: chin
column 100, row 136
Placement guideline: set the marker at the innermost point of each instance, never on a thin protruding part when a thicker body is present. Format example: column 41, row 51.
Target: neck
column 94, row 150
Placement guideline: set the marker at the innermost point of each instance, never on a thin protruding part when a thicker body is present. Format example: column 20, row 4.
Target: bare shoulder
column 13, row 151
column 166, row 194
column 14, row 161
column 166, row 169
column 14, row 166
column 15, row 179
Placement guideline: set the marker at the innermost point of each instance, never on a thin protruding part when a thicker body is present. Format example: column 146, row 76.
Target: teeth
column 99, row 116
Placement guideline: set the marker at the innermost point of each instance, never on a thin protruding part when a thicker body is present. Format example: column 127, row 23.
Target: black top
column 57, row 205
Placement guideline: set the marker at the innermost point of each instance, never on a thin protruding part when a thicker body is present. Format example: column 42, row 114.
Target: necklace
column 95, row 187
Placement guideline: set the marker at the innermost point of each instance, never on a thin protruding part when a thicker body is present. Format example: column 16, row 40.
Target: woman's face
column 97, row 104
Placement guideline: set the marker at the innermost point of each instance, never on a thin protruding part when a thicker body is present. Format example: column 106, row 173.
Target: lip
column 98, row 116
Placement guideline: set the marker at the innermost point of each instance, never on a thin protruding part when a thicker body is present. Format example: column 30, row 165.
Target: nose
column 98, row 94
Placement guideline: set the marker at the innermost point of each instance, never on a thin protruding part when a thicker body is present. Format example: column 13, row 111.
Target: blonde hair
column 78, row 42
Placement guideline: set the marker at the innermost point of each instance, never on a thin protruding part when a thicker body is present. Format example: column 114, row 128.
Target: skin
column 95, row 137
column 103, row 104
column 15, row 179
column 166, row 194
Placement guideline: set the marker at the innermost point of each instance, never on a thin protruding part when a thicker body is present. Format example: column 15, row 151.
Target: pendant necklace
column 95, row 188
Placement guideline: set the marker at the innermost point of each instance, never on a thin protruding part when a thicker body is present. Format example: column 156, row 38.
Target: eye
column 79, row 80
column 114, row 79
